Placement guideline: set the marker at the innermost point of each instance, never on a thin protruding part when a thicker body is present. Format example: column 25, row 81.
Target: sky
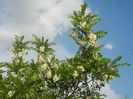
column 48, row 18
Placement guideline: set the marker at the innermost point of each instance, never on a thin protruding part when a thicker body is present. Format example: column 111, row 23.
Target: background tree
column 81, row 76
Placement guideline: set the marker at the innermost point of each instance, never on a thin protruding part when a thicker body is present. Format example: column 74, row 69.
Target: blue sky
column 52, row 23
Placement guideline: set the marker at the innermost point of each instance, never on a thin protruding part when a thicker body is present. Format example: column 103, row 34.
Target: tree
column 81, row 76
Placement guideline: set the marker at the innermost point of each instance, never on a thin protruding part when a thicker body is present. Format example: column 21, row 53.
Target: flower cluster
column 75, row 74
column 11, row 93
column 92, row 40
column 74, row 35
column 81, row 68
column 82, row 25
column 56, row 78
column 42, row 49
column 17, row 56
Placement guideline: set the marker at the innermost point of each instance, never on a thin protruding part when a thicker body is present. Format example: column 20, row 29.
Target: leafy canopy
column 81, row 76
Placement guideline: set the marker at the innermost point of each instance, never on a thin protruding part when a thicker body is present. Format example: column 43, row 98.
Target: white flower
column 14, row 56
column 110, row 79
column 41, row 76
column 56, row 66
column 20, row 54
column 92, row 36
column 35, row 61
column 96, row 56
column 56, row 78
column 44, row 66
column 42, row 49
column 83, row 43
column 17, row 61
column 105, row 76
column 11, row 49
column 75, row 74
column 82, row 24
column 92, row 43
column 11, row 93
column 81, row 68
column 48, row 74
column 49, row 59
column 24, row 51
column 41, row 58
column 74, row 34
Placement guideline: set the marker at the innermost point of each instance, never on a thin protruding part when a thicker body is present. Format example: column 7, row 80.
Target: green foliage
column 46, row 77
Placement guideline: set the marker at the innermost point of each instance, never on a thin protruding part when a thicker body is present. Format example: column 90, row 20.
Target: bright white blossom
column 11, row 93
column 83, row 43
column 14, row 56
column 24, row 51
column 44, row 66
column 92, row 36
column 56, row 66
column 35, row 60
column 11, row 49
column 74, row 34
column 48, row 74
column 92, row 43
column 96, row 56
column 105, row 76
column 41, row 58
column 42, row 49
column 56, row 78
column 40, row 75
column 49, row 59
column 82, row 24
column 75, row 74
column 110, row 78
column 81, row 68
column 20, row 54
column 17, row 61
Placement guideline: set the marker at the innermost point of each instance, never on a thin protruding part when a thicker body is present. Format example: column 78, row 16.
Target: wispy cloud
column 111, row 94
column 41, row 17
column 109, row 46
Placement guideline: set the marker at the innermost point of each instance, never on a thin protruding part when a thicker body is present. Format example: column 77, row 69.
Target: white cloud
column 109, row 46
column 46, row 18
column 110, row 93
column 41, row 17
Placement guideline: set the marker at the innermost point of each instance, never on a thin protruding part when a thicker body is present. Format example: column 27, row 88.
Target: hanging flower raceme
column 20, row 54
column 83, row 43
column 110, row 78
column 75, row 34
column 24, row 51
column 48, row 74
column 81, row 68
column 82, row 25
column 56, row 78
column 44, row 66
column 56, row 66
column 42, row 49
column 92, row 36
column 11, row 93
column 75, row 74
